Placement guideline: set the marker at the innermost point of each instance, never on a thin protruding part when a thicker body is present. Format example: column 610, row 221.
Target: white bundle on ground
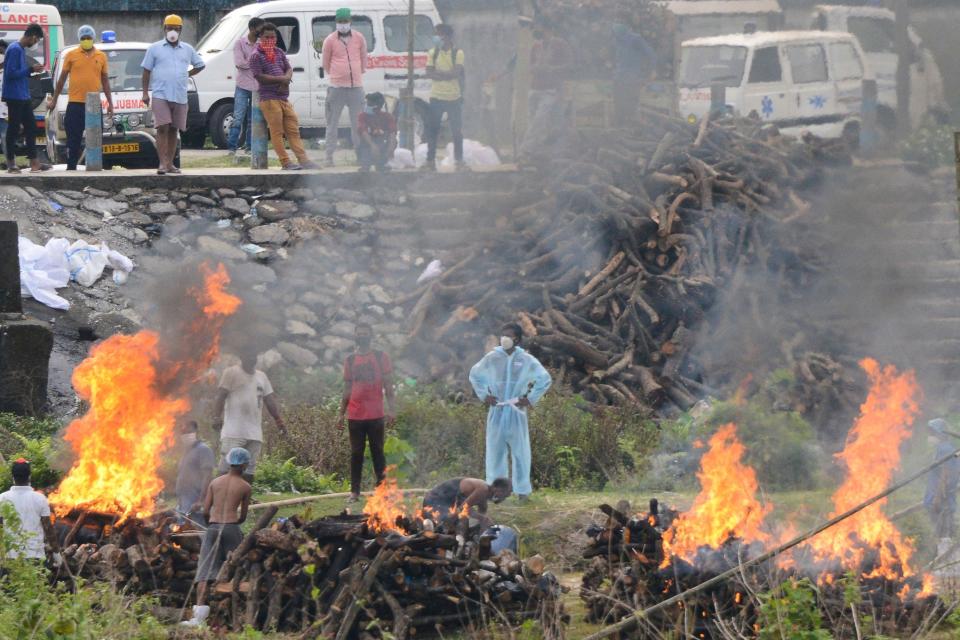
column 44, row 269
column 475, row 154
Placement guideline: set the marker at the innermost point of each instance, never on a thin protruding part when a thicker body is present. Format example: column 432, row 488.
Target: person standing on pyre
column 225, row 508
column 367, row 378
column 509, row 381
column 244, row 391
column 940, row 499
column 194, row 473
column 33, row 511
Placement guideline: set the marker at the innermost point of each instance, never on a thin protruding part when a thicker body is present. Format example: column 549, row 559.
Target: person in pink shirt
column 246, row 85
column 344, row 63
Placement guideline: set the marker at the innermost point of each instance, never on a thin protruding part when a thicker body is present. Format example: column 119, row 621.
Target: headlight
column 133, row 119
column 107, row 122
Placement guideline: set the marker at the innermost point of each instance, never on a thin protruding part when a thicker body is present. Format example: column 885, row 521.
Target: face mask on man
column 188, row 439
column 86, row 44
column 343, row 27
column 506, row 342
column 369, row 110
column 173, row 36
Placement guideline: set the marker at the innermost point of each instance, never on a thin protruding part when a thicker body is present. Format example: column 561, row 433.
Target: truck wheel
column 220, row 119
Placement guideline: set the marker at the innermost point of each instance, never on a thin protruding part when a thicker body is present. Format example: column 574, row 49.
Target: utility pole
column 406, row 96
column 904, row 58
column 521, row 73
column 258, row 135
column 93, row 132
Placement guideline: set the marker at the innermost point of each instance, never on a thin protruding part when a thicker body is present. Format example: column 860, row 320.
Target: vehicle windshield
column 124, row 68
column 224, row 33
column 706, row 65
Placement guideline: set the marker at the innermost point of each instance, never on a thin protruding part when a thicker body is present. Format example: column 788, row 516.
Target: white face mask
column 343, row 27
column 506, row 342
column 172, row 36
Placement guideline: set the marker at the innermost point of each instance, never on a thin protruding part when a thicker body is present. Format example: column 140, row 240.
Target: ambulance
column 302, row 26
column 14, row 20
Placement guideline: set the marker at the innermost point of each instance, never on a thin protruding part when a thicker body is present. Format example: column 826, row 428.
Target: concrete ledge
column 502, row 178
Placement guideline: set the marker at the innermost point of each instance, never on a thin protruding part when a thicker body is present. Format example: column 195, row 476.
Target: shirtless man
column 445, row 501
column 225, row 496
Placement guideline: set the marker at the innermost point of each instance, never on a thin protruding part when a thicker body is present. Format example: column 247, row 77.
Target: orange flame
column 726, row 506
column 134, row 405
column 871, row 455
column 386, row 506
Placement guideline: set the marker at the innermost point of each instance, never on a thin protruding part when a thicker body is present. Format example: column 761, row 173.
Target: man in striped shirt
column 269, row 65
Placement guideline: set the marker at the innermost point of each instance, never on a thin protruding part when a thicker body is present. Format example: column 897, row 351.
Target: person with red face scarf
column 273, row 72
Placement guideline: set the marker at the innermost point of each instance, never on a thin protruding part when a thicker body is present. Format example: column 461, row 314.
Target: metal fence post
column 868, row 118
column 258, row 134
column 93, row 132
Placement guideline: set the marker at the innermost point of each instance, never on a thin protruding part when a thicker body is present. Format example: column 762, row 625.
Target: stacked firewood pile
column 627, row 573
column 332, row 577
column 615, row 270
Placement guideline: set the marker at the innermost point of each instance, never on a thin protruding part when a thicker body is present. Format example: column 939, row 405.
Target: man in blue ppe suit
column 509, row 381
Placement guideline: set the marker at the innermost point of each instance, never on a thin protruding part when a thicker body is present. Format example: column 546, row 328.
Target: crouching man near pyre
column 510, row 381
column 33, row 511
column 225, row 508
column 445, row 503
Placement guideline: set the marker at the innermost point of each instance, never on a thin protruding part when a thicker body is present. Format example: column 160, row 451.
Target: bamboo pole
column 322, row 496
column 629, row 622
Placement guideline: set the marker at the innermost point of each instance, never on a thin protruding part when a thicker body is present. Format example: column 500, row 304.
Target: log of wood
column 245, row 545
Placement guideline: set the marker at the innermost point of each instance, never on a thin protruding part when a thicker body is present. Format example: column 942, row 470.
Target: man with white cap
column 225, row 508
column 86, row 67
column 166, row 67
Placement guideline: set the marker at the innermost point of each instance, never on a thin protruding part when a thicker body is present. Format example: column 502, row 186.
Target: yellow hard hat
column 173, row 20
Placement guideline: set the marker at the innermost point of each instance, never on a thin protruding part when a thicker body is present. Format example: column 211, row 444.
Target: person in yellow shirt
column 445, row 69
column 86, row 66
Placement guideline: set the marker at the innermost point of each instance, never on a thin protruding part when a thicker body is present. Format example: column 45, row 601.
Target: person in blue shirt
column 166, row 67
column 16, row 94
column 509, row 381
column 940, row 499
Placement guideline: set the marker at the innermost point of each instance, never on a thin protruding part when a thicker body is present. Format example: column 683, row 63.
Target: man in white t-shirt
column 34, row 513
column 244, row 390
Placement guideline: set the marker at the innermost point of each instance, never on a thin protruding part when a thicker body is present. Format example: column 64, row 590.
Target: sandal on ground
column 161, row 172
column 41, row 168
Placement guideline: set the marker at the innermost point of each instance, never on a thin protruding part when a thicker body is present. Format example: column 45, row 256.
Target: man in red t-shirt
column 367, row 377
column 378, row 135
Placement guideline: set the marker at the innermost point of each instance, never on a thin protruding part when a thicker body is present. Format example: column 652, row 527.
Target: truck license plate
column 124, row 147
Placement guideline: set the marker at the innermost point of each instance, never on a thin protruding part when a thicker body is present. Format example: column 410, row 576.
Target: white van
column 302, row 26
column 874, row 27
column 798, row 80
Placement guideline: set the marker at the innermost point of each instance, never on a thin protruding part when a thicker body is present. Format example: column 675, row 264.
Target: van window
column 875, row 35
column 395, row 30
column 766, row 66
column 707, row 65
column 846, row 61
column 808, row 63
column 322, row 27
column 40, row 54
column 288, row 32
column 224, row 34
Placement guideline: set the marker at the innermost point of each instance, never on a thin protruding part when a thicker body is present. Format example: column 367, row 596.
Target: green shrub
column 40, row 453
column 274, row 474
column 780, row 445
column 791, row 611
column 931, row 145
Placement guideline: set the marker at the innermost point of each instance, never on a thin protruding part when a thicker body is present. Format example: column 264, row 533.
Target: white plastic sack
column 433, row 270
column 475, row 154
column 43, row 270
column 402, row 159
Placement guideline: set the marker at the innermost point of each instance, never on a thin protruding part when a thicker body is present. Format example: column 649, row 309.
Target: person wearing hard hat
column 86, row 66
column 344, row 56
column 225, row 508
column 166, row 67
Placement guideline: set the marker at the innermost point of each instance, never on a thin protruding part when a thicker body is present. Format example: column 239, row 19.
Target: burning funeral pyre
column 382, row 571
column 329, row 576
column 860, row 566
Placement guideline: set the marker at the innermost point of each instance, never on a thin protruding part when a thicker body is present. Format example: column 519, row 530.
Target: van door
column 320, row 27
column 290, row 28
column 846, row 68
column 766, row 92
column 816, row 101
